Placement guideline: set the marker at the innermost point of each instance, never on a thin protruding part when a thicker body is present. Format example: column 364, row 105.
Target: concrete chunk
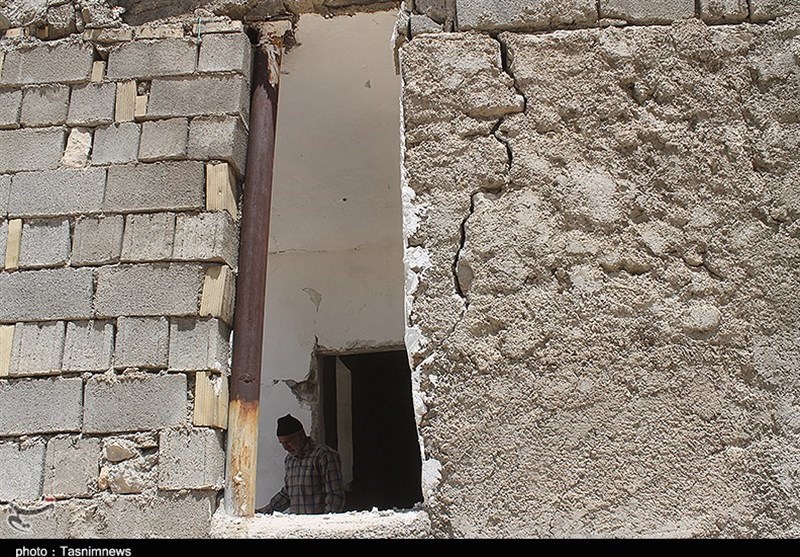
column 134, row 402
column 524, row 15
column 206, row 237
column 38, row 348
column 148, row 289
column 645, row 12
column 10, row 102
column 76, row 153
column 198, row 345
column 46, row 405
column 45, row 106
column 88, row 346
column 142, row 342
column 57, row 193
column 164, row 139
column 199, row 96
column 226, row 52
column 116, row 144
column 71, row 466
column 98, row 240
column 219, row 138
column 61, row 62
column 92, row 104
column 46, row 295
column 45, row 243
column 148, row 237
column 22, row 469
column 155, row 186
column 152, row 58
column 31, row 149
column 193, row 459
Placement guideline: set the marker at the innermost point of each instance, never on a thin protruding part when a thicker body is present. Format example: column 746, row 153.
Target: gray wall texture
column 601, row 238
column 606, row 249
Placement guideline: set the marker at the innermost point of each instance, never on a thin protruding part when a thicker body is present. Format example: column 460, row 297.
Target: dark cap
column 288, row 425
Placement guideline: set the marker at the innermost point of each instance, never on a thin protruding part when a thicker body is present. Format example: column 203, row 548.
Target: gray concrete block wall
column 99, row 278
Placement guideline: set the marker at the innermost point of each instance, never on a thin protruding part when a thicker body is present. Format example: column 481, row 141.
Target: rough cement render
column 606, row 343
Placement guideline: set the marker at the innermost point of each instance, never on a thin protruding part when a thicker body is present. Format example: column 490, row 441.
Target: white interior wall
column 335, row 267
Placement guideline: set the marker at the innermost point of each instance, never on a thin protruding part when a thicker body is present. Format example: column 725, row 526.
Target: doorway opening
column 367, row 414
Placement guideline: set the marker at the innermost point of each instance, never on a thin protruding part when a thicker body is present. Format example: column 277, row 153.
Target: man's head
column 291, row 435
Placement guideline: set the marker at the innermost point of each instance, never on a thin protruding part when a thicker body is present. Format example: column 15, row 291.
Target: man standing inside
column 313, row 481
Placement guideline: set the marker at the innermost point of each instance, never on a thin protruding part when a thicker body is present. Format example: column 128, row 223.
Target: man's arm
column 332, row 481
column 279, row 502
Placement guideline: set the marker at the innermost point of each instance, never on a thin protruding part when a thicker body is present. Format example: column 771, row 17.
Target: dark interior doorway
column 383, row 446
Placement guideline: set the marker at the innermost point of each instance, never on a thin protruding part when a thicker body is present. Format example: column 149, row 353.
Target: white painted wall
column 335, row 269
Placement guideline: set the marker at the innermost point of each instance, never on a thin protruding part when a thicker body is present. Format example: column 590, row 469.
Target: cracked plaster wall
column 602, row 247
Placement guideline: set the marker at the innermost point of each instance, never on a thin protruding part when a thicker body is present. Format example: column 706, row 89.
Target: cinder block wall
column 121, row 155
column 602, row 249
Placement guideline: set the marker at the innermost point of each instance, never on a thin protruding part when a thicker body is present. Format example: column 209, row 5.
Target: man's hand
column 265, row 510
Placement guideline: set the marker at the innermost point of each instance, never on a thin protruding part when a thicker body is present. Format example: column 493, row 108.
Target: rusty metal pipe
column 245, row 379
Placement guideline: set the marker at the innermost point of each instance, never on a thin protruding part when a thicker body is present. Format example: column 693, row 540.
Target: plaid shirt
column 313, row 483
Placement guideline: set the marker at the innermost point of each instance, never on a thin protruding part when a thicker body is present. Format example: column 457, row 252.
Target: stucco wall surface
column 602, row 248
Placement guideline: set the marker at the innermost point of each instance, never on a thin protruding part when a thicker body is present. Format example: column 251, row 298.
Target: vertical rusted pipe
column 245, row 380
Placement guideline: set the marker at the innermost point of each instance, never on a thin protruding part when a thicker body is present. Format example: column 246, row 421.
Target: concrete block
column 10, row 103
column 140, row 107
column 41, row 405
column 45, row 243
column 219, row 138
column 46, row 295
column 193, row 459
column 57, row 62
column 198, row 345
column 148, row 237
column 134, row 402
column 79, row 144
column 88, row 346
column 723, row 11
column 106, row 35
column 98, row 71
column 148, row 289
column 116, row 144
column 45, row 106
column 6, row 348
column 152, row 58
column 171, row 186
column 31, row 149
column 5, row 186
column 159, row 31
column 22, row 470
column 226, row 52
column 524, row 15
column 765, row 10
column 97, row 240
column 57, row 192
column 92, row 104
column 206, row 237
column 38, row 348
column 142, row 342
column 200, row 96
column 437, row 10
column 423, row 24
column 164, row 139
column 182, row 515
column 223, row 26
column 71, row 466
column 646, row 12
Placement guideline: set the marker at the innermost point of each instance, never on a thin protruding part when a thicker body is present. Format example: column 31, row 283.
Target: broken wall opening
column 335, row 269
